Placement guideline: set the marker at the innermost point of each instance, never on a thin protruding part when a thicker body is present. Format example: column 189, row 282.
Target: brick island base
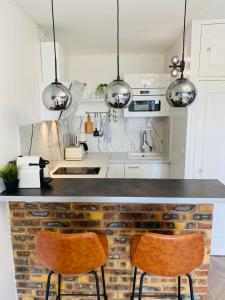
column 119, row 222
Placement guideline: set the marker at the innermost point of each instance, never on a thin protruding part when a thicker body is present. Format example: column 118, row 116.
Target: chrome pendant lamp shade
column 118, row 93
column 56, row 96
column 181, row 92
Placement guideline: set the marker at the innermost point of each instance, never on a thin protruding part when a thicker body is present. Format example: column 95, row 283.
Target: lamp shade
column 56, row 97
column 181, row 93
column 118, row 94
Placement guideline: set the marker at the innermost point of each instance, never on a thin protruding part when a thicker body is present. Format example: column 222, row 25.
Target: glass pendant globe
column 56, row 97
column 181, row 93
column 174, row 72
column 118, row 94
column 175, row 60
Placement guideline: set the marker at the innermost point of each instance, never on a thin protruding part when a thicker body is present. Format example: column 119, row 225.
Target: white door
column 210, row 150
column 212, row 58
column 210, row 132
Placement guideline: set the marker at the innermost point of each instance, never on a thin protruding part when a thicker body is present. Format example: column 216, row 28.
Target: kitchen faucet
column 144, row 142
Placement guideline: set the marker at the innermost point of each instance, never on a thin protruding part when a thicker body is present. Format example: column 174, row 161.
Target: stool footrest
column 140, row 295
column 158, row 296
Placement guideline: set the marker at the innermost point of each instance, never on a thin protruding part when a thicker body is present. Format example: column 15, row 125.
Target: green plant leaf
column 9, row 173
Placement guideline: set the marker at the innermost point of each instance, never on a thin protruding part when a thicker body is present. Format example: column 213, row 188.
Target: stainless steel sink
column 143, row 155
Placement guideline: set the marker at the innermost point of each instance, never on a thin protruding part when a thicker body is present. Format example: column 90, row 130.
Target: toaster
column 74, row 153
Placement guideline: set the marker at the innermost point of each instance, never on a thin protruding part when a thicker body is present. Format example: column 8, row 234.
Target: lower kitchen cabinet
column 116, row 171
column 146, row 171
column 138, row 171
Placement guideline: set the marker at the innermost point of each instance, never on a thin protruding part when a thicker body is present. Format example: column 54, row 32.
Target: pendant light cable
column 118, row 40
column 184, row 38
column 53, row 27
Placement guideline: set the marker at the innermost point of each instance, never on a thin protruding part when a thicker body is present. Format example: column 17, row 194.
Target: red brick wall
column 119, row 223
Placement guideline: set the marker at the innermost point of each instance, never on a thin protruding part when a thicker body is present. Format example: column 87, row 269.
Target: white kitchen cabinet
column 151, row 80
column 210, row 134
column 209, row 160
column 146, row 171
column 115, row 171
column 204, row 147
column 212, row 49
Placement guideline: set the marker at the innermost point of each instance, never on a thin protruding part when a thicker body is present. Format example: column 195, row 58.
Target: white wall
column 19, row 104
column 180, row 131
column 19, row 77
column 176, row 49
column 95, row 69
column 7, row 274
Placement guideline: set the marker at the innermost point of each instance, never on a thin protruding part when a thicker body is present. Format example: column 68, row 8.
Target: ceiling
column 89, row 26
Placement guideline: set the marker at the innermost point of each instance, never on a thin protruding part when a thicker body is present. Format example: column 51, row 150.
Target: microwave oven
column 148, row 102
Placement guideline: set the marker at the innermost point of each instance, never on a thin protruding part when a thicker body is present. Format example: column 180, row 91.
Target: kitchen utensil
column 89, row 125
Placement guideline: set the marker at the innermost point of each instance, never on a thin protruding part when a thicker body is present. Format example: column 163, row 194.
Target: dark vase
column 12, row 187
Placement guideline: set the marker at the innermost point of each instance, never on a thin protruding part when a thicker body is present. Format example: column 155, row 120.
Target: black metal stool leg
column 97, row 285
column 191, row 286
column 48, row 285
column 134, row 284
column 141, row 285
column 179, row 288
column 103, row 283
column 59, row 287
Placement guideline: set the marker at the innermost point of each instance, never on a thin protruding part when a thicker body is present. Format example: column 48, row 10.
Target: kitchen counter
column 119, row 208
column 125, row 191
column 124, row 158
column 103, row 160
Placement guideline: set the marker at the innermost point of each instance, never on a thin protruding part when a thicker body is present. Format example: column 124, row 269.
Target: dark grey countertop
column 123, row 190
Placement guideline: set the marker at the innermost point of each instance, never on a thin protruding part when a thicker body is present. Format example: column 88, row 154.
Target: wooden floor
column 216, row 290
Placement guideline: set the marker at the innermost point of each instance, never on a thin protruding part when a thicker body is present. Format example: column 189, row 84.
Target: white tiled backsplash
column 50, row 138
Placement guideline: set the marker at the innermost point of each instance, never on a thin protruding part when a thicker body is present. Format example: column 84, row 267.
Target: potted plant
column 10, row 175
column 100, row 90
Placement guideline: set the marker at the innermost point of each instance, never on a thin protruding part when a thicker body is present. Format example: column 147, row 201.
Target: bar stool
column 72, row 254
column 166, row 255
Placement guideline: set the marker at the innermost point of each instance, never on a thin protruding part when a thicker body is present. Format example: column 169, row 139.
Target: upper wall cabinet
column 48, row 66
column 212, row 49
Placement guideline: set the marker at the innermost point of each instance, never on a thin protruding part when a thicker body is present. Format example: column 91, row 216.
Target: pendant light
column 118, row 93
column 182, row 91
column 56, row 96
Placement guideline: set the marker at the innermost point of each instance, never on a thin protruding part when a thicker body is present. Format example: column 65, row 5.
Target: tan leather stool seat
column 72, row 254
column 166, row 255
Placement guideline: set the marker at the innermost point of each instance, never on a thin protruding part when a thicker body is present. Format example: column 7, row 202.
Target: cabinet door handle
column 133, row 167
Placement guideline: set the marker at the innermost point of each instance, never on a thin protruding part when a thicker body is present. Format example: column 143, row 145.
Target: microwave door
column 137, row 105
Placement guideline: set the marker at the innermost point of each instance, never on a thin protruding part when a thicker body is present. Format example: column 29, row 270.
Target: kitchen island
column 119, row 208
